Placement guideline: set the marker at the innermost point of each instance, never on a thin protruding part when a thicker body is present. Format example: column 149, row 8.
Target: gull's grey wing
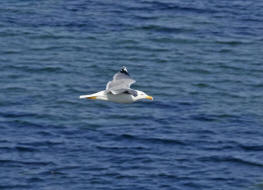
column 121, row 82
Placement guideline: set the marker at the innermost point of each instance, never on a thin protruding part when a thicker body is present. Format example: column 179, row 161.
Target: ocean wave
column 231, row 159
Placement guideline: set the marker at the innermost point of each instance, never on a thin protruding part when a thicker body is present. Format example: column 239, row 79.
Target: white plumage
column 118, row 90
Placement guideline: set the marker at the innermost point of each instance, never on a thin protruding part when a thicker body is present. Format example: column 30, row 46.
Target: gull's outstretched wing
column 121, row 82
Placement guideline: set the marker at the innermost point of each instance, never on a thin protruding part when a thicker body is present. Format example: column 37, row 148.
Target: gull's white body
column 118, row 90
column 118, row 98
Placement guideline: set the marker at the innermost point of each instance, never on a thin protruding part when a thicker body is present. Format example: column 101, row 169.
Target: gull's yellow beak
column 92, row 97
column 149, row 97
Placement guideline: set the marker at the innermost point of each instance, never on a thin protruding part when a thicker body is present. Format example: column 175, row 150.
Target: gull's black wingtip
column 124, row 70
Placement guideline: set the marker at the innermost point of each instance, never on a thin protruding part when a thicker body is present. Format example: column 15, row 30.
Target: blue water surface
column 201, row 60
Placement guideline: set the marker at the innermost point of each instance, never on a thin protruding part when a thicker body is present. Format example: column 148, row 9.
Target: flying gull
column 118, row 90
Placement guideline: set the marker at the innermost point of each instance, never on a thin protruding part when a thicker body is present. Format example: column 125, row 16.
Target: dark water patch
column 15, row 186
column 172, row 40
column 41, row 143
column 165, row 105
column 34, row 69
column 61, row 170
column 60, row 35
column 257, row 85
column 173, row 6
column 164, row 141
column 164, row 29
column 15, row 76
column 232, row 42
column 64, row 102
column 3, row 141
column 231, row 67
column 35, row 180
column 207, row 133
column 26, row 149
column 45, row 69
column 145, row 17
column 222, row 148
column 165, row 175
column 25, row 163
column 47, row 134
column 16, row 114
column 127, row 42
column 21, row 123
column 225, row 50
column 251, row 147
column 46, row 48
column 199, row 71
column 194, row 185
column 131, row 117
column 201, row 85
column 122, row 149
column 203, row 117
column 145, row 48
column 14, row 89
column 5, row 148
column 232, row 118
column 53, row 172
column 258, row 186
column 12, row 51
column 230, row 159
column 188, row 103
column 165, row 121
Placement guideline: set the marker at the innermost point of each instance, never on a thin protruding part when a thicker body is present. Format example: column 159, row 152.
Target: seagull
column 118, row 90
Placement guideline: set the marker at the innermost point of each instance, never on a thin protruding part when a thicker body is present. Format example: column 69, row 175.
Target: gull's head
column 142, row 95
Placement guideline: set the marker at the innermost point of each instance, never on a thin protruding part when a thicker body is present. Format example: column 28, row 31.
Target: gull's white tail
column 92, row 96
column 85, row 96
